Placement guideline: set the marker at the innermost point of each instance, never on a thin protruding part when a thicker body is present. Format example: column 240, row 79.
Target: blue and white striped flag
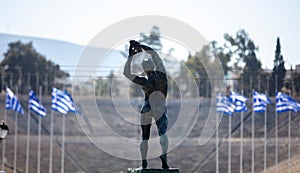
column 286, row 103
column 35, row 105
column 260, row 102
column 239, row 102
column 224, row 105
column 12, row 102
column 62, row 101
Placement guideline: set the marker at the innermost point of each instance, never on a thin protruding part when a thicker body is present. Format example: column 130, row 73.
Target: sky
column 78, row 21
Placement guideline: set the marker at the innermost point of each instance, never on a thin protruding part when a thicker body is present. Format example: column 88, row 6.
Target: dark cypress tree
column 278, row 70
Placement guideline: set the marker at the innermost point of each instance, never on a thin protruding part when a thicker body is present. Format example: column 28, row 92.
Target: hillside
column 63, row 53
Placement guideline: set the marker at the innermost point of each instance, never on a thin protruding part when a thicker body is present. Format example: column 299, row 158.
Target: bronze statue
column 155, row 88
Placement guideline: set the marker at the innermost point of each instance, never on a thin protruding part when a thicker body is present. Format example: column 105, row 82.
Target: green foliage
column 278, row 72
column 223, row 55
column 22, row 60
column 183, row 81
column 108, row 86
column 102, row 87
column 206, row 58
column 244, row 50
column 196, row 66
column 152, row 39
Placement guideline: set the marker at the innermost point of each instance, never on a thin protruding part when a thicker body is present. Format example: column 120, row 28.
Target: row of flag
column 237, row 103
column 61, row 102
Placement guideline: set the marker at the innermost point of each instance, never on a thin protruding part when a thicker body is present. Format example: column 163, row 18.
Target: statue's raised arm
column 156, row 59
column 134, row 48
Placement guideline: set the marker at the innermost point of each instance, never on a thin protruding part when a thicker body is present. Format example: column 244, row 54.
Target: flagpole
column 253, row 162
column 289, row 136
column 252, row 133
column 56, row 105
column 217, row 143
column 27, row 144
column 229, row 145
column 276, row 130
column 259, row 88
column 265, row 130
column 16, row 138
column 28, row 132
column 290, row 114
column 242, row 134
column 3, row 143
column 51, row 142
column 63, row 145
column 39, row 135
column 265, row 140
column 229, row 131
column 289, row 145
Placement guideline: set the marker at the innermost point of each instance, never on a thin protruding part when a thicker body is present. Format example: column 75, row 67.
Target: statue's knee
column 164, row 140
column 144, row 142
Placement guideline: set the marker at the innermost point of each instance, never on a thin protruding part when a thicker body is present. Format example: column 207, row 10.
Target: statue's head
column 147, row 65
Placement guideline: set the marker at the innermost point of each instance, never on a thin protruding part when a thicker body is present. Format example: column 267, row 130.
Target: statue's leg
column 164, row 143
column 162, row 125
column 144, row 144
column 145, row 125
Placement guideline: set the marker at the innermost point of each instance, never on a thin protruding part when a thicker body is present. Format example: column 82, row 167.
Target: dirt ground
column 82, row 155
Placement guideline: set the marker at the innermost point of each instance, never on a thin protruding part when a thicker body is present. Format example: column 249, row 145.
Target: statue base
column 152, row 170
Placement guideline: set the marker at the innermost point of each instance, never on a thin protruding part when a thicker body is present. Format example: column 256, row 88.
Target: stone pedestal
column 152, row 170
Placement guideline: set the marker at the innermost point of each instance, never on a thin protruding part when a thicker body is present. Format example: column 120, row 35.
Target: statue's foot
column 164, row 162
column 144, row 164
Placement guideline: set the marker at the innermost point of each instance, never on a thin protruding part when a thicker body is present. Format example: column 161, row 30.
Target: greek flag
column 35, row 105
column 12, row 102
column 224, row 104
column 260, row 102
column 239, row 102
column 62, row 101
column 286, row 103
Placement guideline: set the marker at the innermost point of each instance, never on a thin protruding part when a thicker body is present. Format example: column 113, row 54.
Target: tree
column 101, row 85
column 201, row 63
column 153, row 39
column 197, row 69
column 244, row 50
column 223, row 55
column 296, row 83
column 182, row 78
column 278, row 72
column 22, row 60
column 113, row 84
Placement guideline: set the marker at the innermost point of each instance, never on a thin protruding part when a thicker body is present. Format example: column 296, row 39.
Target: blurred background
column 255, row 42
